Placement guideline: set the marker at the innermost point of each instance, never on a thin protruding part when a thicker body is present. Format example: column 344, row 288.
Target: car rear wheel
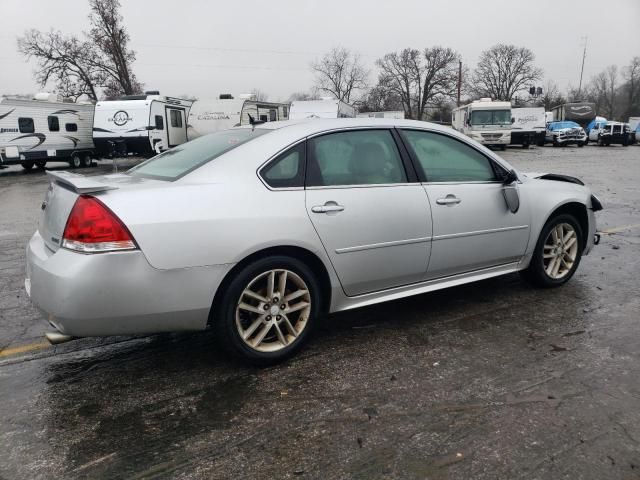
column 268, row 310
column 557, row 253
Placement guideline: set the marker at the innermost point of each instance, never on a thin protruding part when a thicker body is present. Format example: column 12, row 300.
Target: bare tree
column 504, row 70
column 259, row 95
column 551, row 96
column 64, row 60
column 419, row 79
column 631, row 74
column 111, row 39
column 340, row 73
column 602, row 90
column 101, row 60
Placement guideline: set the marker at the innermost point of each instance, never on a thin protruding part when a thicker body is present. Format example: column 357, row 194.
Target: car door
column 473, row 227
column 369, row 210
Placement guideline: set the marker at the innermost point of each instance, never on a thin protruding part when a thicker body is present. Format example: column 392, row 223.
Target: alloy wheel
column 273, row 310
column 560, row 251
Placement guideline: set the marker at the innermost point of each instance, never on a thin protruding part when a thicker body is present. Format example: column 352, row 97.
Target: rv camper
column 140, row 124
column 528, row 126
column 486, row 121
column 208, row 116
column 398, row 114
column 580, row 112
column 45, row 129
column 324, row 108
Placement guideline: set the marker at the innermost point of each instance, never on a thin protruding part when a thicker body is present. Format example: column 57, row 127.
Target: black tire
column 41, row 163
column 581, row 144
column 503, row 147
column 525, row 146
column 536, row 273
column 86, row 161
column 224, row 314
column 75, row 161
column 586, row 142
column 555, row 142
column 27, row 164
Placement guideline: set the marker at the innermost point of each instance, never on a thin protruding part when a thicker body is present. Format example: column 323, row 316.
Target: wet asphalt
column 484, row 381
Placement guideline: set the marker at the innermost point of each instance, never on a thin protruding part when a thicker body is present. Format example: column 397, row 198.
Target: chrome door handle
column 327, row 208
column 448, row 200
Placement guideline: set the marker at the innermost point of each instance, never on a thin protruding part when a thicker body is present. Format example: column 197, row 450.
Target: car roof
column 310, row 126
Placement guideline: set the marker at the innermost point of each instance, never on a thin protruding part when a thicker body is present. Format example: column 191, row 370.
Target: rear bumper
column 117, row 293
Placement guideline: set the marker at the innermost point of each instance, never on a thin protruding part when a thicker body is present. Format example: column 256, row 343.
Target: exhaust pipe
column 56, row 338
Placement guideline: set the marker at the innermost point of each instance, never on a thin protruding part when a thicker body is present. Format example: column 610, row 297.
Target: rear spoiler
column 79, row 183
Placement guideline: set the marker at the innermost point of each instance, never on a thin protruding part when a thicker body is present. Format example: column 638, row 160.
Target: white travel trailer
column 324, row 108
column 528, row 126
column 208, row 116
column 45, row 129
column 140, row 124
column 485, row 121
column 399, row 114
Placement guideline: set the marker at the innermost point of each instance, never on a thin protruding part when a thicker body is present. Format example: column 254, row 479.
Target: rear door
column 176, row 126
column 370, row 212
column 472, row 226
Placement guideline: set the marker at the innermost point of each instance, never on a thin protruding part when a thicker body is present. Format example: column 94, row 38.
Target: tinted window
column 362, row 157
column 185, row 158
column 159, row 122
column 287, row 170
column 26, row 125
column 71, row 127
column 54, row 124
column 445, row 159
column 176, row 118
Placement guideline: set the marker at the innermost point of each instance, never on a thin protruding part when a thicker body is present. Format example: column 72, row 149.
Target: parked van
column 324, row 108
column 140, row 124
column 208, row 116
column 45, row 129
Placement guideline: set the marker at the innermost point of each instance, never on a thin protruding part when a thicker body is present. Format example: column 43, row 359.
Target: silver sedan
column 258, row 232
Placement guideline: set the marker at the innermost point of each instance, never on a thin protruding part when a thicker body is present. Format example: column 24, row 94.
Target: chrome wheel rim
column 560, row 251
column 273, row 310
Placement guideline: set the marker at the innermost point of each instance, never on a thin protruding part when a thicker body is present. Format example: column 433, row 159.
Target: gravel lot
column 484, row 381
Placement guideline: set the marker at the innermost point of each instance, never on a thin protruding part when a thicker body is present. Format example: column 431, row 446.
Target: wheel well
column 310, row 259
column 579, row 211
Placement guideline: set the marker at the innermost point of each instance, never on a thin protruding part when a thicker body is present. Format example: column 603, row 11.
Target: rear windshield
column 185, row 158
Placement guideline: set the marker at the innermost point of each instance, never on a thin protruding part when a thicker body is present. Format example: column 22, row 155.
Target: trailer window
column 26, row 125
column 176, row 118
column 54, row 124
column 159, row 122
column 71, row 127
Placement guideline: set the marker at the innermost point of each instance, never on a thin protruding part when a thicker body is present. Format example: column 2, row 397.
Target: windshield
column 179, row 161
column 559, row 125
column 491, row 117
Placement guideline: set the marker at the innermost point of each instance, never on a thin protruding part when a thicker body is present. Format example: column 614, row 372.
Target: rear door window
column 357, row 157
column 287, row 170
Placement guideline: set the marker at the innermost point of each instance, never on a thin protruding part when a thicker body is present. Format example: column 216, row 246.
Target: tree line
column 423, row 83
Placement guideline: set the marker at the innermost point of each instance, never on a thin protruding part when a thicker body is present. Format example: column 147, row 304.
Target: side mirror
column 151, row 127
column 513, row 119
column 510, row 177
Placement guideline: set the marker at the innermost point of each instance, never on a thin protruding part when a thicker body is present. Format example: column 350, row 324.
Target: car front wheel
column 557, row 253
column 268, row 310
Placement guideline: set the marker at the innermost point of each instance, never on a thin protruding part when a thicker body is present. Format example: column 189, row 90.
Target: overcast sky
column 204, row 48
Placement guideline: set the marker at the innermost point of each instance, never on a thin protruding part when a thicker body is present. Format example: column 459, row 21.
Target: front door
column 473, row 227
column 176, row 126
column 374, row 225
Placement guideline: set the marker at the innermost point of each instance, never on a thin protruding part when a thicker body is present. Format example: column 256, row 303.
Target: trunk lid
column 64, row 189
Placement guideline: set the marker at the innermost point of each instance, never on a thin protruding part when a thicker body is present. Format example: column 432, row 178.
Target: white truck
column 140, row 124
column 486, row 121
column 45, row 129
column 208, row 116
column 528, row 126
column 323, row 108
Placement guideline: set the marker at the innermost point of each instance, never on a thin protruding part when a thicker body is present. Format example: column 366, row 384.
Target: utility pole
column 459, row 79
column 584, row 55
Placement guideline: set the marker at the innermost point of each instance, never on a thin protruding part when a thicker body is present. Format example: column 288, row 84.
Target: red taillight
column 92, row 227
